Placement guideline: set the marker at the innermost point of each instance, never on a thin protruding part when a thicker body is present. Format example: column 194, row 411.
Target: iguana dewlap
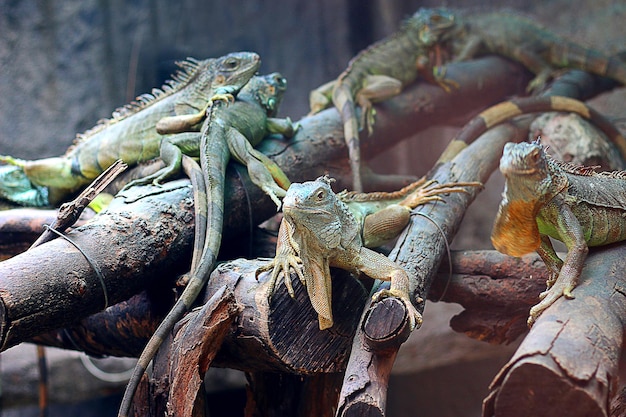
column 544, row 198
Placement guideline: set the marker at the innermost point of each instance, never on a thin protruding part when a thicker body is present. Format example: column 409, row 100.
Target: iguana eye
column 319, row 196
column 231, row 63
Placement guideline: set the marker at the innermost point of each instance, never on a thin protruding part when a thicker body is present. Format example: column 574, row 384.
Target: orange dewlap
column 515, row 232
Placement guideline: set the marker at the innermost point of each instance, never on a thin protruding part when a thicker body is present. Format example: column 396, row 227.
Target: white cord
column 93, row 369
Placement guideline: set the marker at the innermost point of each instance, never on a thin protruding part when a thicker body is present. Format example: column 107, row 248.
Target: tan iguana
column 378, row 73
column 130, row 134
column 229, row 130
column 321, row 229
column 544, row 198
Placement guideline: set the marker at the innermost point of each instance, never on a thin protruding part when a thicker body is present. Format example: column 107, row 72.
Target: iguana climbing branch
column 130, row 134
column 378, row 73
column 321, row 229
column 229, row 130
column 544, row 198
column 469, row 35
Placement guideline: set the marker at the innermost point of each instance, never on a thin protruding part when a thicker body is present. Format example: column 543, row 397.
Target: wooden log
column 496, row 291
column 572, row 351
column 54, row 285
column 194, row 347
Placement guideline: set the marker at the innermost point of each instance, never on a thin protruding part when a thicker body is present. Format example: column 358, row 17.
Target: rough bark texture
column 194, row 348
column 54, row 284
column 420, row 250
column 572, row 351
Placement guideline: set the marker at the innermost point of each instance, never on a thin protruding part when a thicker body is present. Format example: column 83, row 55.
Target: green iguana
column 321, row 229
column 378, row 73
column 544, row 198
column 229, row 129
column 130, row 134
column 520, row 39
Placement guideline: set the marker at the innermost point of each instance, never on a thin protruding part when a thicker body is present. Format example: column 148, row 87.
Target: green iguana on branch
column 321, row 229
column 130, row 134
column 229, row 130
column 521, row 39
column 378, row 73
column 544, row 198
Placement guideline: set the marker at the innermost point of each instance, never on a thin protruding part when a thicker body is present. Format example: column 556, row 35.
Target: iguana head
column 16, row 187
column 525, row 167
column 431, row 25
column 314, row 206
column 268, row 90
column 223, row 75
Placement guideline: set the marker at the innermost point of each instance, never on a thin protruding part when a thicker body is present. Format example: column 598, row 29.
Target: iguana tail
column 509, row 109
column 214, row 157
column 344, row 102
column 572, row 55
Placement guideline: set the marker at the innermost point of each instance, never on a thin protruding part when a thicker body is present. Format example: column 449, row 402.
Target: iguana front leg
column 263, row 171
column 375, row 88
column 551, row 260
column 378, row 266
column 287, row 251
column 571, row 233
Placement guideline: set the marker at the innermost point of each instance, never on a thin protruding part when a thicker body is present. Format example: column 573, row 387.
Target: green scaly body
column 377, row 73
column 131, row 134
column 321, row 229
column 525, row 41
column 229, row 130
column 575, row 205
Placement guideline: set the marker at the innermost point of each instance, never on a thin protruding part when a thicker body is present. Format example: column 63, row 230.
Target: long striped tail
column 572, row 55
column 214, row 157
column 344, row 102
column 507, row 110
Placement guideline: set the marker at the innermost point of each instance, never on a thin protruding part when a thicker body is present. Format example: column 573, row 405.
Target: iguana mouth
column 519, row 171
column 289, row 207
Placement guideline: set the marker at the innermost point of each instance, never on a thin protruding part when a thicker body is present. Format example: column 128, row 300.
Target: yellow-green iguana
column 321, row 229
column 130, row 134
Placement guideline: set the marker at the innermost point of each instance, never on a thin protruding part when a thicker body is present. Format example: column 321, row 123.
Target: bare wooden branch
column 572, row 351
column 194, row 347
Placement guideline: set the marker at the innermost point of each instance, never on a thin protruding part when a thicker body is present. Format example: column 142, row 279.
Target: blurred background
column 64, row 65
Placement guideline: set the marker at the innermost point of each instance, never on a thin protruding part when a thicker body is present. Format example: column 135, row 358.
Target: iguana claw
column 415, row 317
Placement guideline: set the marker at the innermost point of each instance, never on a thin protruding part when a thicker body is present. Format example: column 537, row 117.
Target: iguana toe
column 414, row 316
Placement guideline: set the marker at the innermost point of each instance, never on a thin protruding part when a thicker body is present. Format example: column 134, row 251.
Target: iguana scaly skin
column 131, row 134
column 509, row 109
column 321, row 229
column 229, row 130
column 377, row 73
column 523, row 40
column 544, row 198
